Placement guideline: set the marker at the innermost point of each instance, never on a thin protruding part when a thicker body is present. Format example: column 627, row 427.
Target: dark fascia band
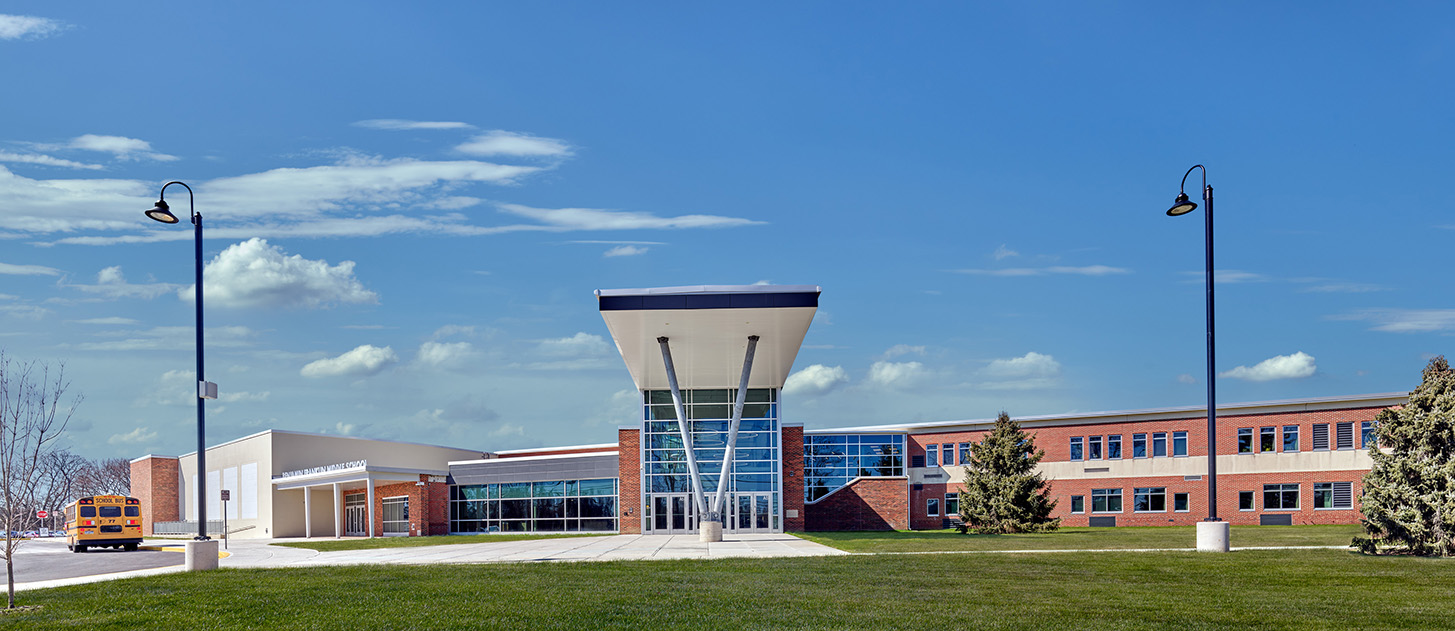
column 709, row 301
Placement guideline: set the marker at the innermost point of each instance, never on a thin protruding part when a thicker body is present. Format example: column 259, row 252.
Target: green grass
column 1274, row 589
column 1082, row 539
column 415, row 542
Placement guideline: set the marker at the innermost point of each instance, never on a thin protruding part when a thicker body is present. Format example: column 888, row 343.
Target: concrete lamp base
column 1212, row 536
column 709, row 531
column 201, row 555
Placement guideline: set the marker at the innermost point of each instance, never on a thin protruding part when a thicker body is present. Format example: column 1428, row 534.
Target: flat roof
column 707, row 327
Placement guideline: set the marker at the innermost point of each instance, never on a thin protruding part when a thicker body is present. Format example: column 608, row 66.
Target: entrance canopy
column 707, row 327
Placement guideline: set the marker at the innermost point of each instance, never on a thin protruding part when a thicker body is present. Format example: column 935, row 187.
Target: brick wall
column 629, row 474
column 1228, row 488
column 792, row 454
column 154, row 481
column 429, row 507
column 547, row 451
column 865, row 504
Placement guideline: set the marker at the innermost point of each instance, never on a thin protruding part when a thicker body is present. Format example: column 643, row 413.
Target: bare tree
column 60, row 479
column 32, row 417
column 112, row 477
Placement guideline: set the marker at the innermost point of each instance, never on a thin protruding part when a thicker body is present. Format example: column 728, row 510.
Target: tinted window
column 88, row 511
column 133, row 511
column 110, row 511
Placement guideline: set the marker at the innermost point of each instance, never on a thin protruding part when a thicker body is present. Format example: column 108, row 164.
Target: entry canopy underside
column 707, row 327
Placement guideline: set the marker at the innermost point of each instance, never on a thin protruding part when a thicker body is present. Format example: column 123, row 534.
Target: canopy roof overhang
column 707, row 327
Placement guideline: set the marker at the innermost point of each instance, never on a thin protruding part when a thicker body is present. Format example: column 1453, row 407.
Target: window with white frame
column 1093, row 448
column 1149, row 500
column 949, row 454
column 1077, row 452
column 964, row 453
column 1180, row 503
column 1267, row 439
column 1280, row 497
column 1290, row 438
column 1114, row 447
column 1245, row 440
column 1078, row 503
column 1367, row 438
column 1159, row 445
column 1179, row 444
column 932, row 456
column 952, row 504
column 1139, row 445
column 932, row 507
column 1245, row 500
column 1333, row 495
column 1106, row 500
column 396, row 515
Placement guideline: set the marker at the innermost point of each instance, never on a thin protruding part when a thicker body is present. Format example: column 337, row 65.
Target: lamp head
column 163, row 213
column 1182, row 206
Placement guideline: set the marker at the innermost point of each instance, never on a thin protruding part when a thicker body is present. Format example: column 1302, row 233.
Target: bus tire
column 79, row 549
column 130, row 547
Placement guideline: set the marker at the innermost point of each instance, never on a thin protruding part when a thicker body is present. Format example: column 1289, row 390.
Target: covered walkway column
column 338, row 512
column 369, row 481
column 307, row 512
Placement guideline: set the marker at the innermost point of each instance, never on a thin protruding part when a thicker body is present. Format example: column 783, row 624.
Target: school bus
column 103, row 521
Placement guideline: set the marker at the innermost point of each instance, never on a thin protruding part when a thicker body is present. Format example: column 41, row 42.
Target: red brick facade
column 429, row 506
column 563, row 451
column 865, row 504
column 154, row 481
column 629, row 500
column 792, row 454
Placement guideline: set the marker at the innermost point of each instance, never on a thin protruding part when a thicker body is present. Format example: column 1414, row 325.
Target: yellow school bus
column 103, row 521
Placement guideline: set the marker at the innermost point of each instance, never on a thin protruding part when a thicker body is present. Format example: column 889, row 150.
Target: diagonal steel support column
column 732, row 440
column 699, row 498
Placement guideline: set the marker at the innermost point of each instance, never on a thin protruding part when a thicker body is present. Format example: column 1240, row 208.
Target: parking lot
column 48, row 559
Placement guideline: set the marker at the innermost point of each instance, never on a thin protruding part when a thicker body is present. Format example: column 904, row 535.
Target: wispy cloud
column 1406, row 320
column 1004, row 252
column 1295, row 366
column 1088, row 270
column 1027, row 372
column 362, row 361
column 395, row 124
column 121, row 147
column 28, row 270
column 505, row 143
column 28, row 27
column 624, row 250
column 111, row 283
column 172, row 338
column 897, row 374
column 599, row 219
column 45, row 160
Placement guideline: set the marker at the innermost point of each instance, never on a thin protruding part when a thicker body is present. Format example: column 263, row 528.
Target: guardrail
column 185, row 527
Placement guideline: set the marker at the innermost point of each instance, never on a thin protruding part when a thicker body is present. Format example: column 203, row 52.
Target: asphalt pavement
column 47, row 560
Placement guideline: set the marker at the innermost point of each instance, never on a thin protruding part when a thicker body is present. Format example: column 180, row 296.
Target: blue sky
column 407, row 210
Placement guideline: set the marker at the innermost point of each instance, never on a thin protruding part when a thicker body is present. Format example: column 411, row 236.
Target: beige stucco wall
column 252, row 449
column 1342, row 460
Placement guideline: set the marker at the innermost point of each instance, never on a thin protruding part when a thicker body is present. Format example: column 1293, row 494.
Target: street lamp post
column 1212, row 533
column 161, row 212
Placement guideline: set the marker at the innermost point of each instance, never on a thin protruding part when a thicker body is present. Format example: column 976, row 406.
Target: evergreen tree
column 1003, row 492
column 1409, row 495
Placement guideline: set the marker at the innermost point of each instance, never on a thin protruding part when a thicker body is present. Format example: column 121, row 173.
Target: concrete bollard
column 201, row 555
column 709, row 531
column 1212, row 536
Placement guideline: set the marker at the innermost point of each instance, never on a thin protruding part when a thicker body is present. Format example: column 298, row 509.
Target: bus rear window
column 133, row 511
column 88, row 511
column 110, row 511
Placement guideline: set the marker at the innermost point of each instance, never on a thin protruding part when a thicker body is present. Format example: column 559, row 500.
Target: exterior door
column 673, row 514
column 753, row 512
column 356, row 515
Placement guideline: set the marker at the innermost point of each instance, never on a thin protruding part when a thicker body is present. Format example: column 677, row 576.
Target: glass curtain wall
column 756, row 461
column 830, row 461
column 552, row 506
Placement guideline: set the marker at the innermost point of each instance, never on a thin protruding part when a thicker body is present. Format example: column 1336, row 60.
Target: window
column 1290, row 438
column 933, row 507
column 1280, row 497
column 949, row 454
column 1321, row 436
column 932, row 456
column 964, row 453
column 396, row 515
column 1179, row 444
column 1139, row 445
column 1245, row 500
column 952, row 504
column 1078, row 503
column 1094, row 448
column 1150, row 500
column 1076, row 453
column 1266, row 439
column 1159, row 445
column 1333, row 495
column 1344, row 436
column 1180, row 503
column 1106, row 500
column 1367, row 438
column 1245, row 440
column 1114, row 447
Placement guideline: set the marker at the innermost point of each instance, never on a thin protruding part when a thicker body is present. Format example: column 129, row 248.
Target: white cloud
column 27, row 26
column 896, row 374
column 110, row 283
column 578, row 345
column 255, row 274
column 1004, row 252
column 598, row 219
column 1029, row 371
column 1407, row 320
column 28, row 312
column 442, row 353
column 395, row 124
column 138, row 436
column 1087, row 270
column 120, row 146
column 1295, row 366
column 28, row 270
column 624, row 250
column 904, row 349
column 344, row 429
column 815, row 380
column 44, row 160
column 504, row 143
column 1186, row 378
column 361, row 362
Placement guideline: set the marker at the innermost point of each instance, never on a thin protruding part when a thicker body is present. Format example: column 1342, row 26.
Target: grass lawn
column 415, row 542
column 1082, row 539
column 1280, row 589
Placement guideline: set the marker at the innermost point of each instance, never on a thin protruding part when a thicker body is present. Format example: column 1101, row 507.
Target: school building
column 717, row 357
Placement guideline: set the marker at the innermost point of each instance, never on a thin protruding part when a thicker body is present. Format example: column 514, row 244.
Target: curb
column 220, row 553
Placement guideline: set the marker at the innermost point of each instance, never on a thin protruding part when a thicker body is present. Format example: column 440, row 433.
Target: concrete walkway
column 248, row 553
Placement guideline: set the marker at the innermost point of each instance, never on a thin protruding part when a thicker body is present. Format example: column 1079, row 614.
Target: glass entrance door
column 356, row 515
column 753, row 512
column 673, row 514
